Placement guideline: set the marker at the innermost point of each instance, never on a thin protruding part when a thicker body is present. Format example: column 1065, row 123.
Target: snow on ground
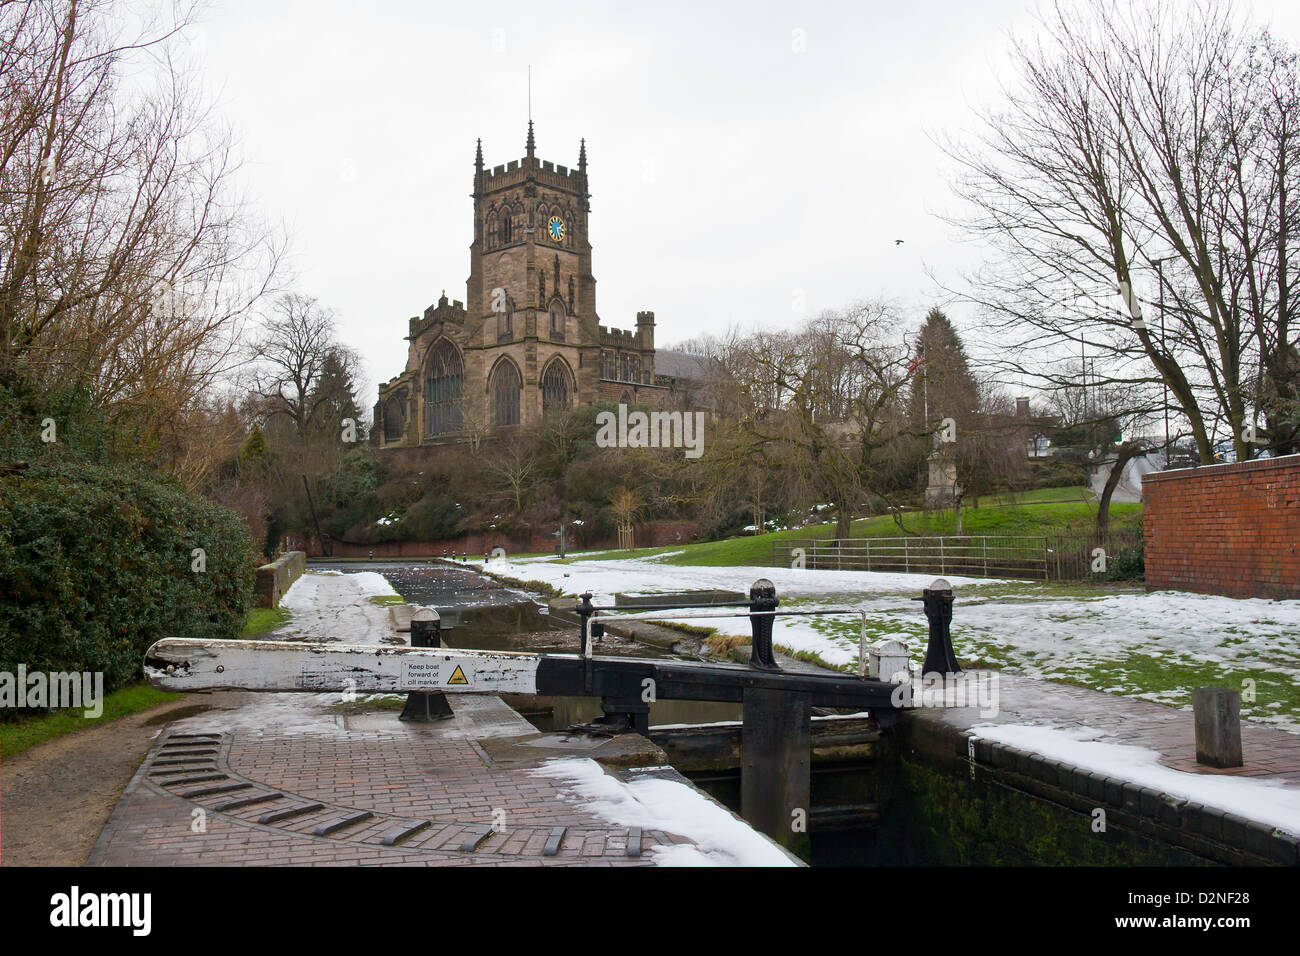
column 328, row 606
column 335, row 607
column 1267, row 801
column 824, row 588
column 654, row 804
column 649, row 576
column 1156, row 645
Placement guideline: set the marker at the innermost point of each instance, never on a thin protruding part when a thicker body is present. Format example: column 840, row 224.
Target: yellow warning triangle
column 457, row 676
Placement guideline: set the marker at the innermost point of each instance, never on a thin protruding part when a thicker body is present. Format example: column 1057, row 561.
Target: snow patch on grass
column 1154, row 645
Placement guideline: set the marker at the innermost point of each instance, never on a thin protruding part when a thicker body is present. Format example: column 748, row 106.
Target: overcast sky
column 744, row 157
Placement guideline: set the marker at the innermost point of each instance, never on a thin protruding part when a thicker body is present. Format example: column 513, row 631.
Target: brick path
column 431, row 790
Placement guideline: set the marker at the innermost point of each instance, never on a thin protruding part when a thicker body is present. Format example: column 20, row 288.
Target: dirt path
column 55, row 797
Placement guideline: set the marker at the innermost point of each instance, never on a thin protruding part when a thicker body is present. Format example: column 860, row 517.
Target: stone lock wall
column 274, row 579
column 1225, row 529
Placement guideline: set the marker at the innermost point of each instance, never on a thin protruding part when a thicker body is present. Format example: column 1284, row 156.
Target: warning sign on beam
column 434, row 674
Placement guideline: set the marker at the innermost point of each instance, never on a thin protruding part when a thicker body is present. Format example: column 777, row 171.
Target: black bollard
column 426, row 706
column 585, row 610
column 762, row 597
column 940, row 658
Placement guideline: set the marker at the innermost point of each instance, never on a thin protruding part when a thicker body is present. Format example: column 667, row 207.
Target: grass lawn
column 1111, row 637
column 1044, row 511
column 1074, row 493
column 1108, row 636
column 263, row 619
column 17, row 735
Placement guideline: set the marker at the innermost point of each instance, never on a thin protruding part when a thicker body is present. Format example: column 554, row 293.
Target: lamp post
column 1164, row 383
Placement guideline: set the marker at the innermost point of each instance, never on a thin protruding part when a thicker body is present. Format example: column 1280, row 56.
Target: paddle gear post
column 426, row 706
column 762, row 602
column 940, row 658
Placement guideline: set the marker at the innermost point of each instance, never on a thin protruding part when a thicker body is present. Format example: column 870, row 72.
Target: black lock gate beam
column 776, row 703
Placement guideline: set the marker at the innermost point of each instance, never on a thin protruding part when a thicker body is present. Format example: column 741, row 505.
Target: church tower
column 530, row 283
column 527, row 339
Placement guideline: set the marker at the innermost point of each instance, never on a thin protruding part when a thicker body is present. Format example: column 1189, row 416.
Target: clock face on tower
column 555, row 228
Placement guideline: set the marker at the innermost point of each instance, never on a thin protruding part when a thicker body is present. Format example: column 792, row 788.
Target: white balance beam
column 185, row 664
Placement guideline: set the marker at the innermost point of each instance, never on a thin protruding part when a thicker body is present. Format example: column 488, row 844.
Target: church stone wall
column 535, row 271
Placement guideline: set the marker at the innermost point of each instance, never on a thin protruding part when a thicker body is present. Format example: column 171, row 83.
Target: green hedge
column 96, row 565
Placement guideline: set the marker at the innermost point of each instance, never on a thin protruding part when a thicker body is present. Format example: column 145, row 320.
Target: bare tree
column 626, row 505
column 129, row 259
column 1098, row 423
column 513, row 463
column 989, row 454
column 301, row 370
column 827, row 402
column 1146, row 150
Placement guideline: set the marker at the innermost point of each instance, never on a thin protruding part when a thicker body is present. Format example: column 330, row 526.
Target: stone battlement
column 544, row 172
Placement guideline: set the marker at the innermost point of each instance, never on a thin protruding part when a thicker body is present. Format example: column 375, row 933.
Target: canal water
column 478, row 613
column 911, row 813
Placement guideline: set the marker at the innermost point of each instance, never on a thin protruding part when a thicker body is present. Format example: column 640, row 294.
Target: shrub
column 96, row 565
column 432, row 518
column 1129, row 564
column 1058, row 471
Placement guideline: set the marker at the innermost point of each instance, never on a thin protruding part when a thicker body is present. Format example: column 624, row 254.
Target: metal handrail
column 987, row 554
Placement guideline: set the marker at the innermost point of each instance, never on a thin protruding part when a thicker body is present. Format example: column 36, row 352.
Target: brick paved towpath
column 364, row 788
column 306, row 779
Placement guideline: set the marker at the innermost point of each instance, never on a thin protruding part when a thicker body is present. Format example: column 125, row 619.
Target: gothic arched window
column 505, row 388
column 555, row 386
column 394, row 417
column 493, row 231
column 570, row 221
column 442, row 390
column 504, row 231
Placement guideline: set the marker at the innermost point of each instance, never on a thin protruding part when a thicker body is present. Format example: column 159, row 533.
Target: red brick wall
column 663, row 533
column 1225, row 529
column 655, row 534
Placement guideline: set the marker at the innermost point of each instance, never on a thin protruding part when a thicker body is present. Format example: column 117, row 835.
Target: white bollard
column 887, row 659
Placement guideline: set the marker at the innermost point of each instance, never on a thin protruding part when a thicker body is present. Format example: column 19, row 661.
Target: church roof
column 682, row 365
